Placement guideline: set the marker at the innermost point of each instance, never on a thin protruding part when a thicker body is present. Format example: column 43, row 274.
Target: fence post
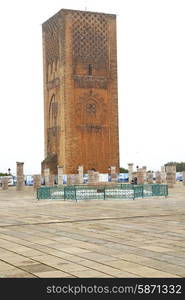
column 142, row 190
column 166, row 194
column 134, row 192
column 75, row 193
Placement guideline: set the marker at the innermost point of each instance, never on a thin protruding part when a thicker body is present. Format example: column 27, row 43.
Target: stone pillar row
column 144, row 176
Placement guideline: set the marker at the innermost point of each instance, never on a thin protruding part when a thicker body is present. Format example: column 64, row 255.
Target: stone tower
column 80, row 91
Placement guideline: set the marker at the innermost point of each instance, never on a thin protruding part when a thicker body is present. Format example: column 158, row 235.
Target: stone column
column 113, row 173
column 46, row 176
column 170, row 175
column 174, row 173
column 51, row 180
column 130, row 172
column 96, row 177
column 60, row 175
column 183, row 177
column 80, row 173
column 36, row 181
column 144, row 171
column 4, row 181
column 69, row 179
column 158, row 178
column 76, row 179
column 163, row 174
column 90, row 176
column 20, row 176
column 149, row 177
column 140, row 176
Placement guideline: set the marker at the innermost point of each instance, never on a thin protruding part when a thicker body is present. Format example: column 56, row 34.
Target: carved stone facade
column 80, row 91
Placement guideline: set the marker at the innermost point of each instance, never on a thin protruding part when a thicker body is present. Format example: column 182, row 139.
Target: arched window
column 90, row 68
column 53, row 112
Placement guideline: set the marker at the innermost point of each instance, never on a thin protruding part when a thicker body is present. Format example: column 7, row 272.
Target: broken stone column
column 60, row 175
column 20, row 176
column 163, row 174
column 170, row 175
column 46, row 176
column 158, row 178
column 113, row 173
column 36, row 181
column 130, row 172
column 80, row 173
column 140, row 176
column 149, row 177
column 4, row 182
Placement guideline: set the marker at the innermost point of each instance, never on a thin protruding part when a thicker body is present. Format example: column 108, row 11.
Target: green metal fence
column 85, row 192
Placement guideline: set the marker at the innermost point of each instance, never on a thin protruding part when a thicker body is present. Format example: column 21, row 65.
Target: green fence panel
column 147, row 190
column 85, row 192
column 138, row 191
column 69, row 193
column 57, row 192
column 90, row 192
column 43, row 193
column 119, row 192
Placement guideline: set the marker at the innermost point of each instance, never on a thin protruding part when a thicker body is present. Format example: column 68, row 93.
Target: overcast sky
column 151, row 78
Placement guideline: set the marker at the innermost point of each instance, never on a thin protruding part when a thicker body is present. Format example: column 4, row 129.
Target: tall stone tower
column 80, row 91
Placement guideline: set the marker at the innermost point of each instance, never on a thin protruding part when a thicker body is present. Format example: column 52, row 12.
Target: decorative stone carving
column 90, row 82
column 90, row 38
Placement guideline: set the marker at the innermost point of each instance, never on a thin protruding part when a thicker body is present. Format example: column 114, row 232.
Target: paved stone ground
column 121, row 238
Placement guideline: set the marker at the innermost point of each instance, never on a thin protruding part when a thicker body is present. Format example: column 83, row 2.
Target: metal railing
column 85, row 192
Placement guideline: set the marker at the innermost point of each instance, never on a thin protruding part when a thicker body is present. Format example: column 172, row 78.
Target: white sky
column 151, row 76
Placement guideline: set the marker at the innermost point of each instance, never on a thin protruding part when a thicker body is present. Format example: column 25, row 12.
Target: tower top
column 65, row 11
